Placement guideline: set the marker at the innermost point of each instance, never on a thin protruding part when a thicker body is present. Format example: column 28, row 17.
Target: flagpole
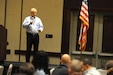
column 20, row 28
column 81, row 55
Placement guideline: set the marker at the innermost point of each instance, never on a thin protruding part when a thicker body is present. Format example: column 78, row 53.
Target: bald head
column 33, row 12
column 66, row 59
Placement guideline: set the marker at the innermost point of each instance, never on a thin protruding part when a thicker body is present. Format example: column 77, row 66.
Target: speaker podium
column 3, row 43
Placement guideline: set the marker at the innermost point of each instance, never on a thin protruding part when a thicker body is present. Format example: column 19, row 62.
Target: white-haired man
column 33, row 25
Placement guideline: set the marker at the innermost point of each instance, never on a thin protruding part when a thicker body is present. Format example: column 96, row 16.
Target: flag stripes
column 84, row 17
column 84, row 13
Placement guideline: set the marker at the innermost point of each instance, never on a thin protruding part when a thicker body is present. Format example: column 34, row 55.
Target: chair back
column 51, row 71
column 1, row 69
column 9, row 71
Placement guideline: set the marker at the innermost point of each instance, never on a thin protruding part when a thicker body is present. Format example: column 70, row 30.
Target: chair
column 51, row 71
column 1, row 69
column 9, row 71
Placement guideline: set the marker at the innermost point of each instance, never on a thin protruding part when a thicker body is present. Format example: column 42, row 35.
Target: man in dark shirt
column 62, row 69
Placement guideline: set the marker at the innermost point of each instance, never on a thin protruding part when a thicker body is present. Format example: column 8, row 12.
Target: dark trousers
column 32, row 40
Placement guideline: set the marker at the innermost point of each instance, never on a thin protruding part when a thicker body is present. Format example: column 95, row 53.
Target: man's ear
column 87, row 66
column 69, row 70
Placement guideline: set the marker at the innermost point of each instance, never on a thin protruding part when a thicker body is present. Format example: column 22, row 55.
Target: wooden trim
column 51, row 54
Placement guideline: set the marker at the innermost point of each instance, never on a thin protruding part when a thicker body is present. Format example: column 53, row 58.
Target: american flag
column 84, row 17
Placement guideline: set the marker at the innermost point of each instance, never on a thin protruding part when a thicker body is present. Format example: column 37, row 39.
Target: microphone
column 31, row 21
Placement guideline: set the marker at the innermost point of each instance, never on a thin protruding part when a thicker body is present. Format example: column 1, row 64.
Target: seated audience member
column 109, row 67
column 102, row 71
column 40, row 62
column 62, row 69
column 88, row 69
column 27, row 69
column 75, row 68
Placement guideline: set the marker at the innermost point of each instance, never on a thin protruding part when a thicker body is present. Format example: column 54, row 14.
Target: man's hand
column 31, row 21
column 39, row 30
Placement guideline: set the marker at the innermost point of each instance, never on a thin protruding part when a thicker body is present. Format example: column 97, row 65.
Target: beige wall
column 2, row 9
column 50, row 11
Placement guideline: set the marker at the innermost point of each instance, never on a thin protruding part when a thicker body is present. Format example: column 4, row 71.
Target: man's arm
column 26, row 23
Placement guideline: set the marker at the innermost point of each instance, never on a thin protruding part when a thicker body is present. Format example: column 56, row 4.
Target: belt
column 33, row 34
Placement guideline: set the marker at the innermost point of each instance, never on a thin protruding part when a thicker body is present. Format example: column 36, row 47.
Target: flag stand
column 81, row 55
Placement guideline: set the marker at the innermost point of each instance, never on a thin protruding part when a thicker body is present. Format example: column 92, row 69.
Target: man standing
column 33, row 25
